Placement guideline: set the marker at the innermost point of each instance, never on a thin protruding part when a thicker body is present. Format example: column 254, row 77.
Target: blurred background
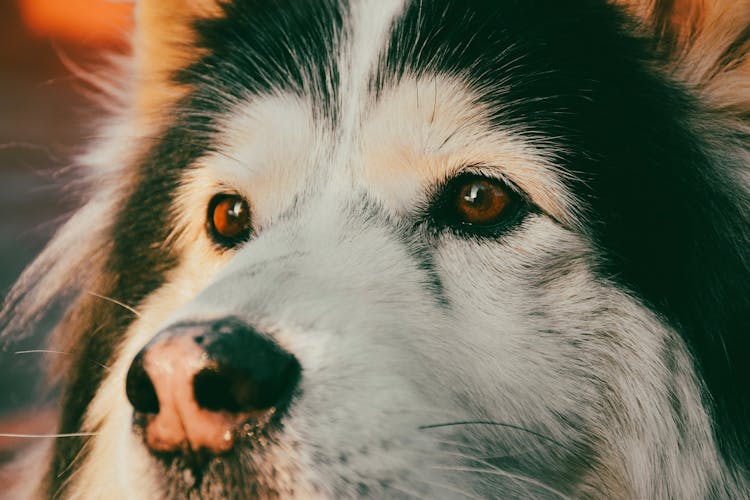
column 45, row 119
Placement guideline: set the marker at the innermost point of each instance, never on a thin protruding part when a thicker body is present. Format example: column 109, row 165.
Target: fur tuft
column 708, row 44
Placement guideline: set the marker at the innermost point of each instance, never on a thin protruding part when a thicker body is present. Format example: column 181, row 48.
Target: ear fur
column 708, row 44
column 164, row 43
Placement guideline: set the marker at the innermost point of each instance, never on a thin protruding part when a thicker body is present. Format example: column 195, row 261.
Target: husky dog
column 410, row 248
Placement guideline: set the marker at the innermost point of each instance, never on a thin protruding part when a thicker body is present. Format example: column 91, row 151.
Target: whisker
column 459, row 444
column 474, row 459
column 492, row 423
column 81, row 453
column 44, row 436
column 64, row 353
column 505, row 425
column 491, row 466
column 405, row 491
column 508, row 426
column 450, row 488
column 41, row 351
column 116, row 302
column 509, row 475
column 74, row 473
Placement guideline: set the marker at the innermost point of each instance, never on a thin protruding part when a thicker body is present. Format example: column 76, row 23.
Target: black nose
column 247, row 371
column 197, row 383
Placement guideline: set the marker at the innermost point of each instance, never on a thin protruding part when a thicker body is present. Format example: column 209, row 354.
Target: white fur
column 529, row 334
column 381, row 357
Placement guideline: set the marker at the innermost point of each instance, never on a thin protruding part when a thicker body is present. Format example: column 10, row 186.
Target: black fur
column 137, row 263
column 262, row 46
column 670, row 222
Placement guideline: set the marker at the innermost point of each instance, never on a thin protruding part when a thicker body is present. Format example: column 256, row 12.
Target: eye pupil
column 229, row 219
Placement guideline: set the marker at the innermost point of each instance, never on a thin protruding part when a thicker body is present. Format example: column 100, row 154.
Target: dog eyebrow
column 453, row 132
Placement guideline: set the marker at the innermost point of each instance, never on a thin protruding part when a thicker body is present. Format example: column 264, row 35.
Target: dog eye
column 477, row 204
column 229, row 219
column 481, row 202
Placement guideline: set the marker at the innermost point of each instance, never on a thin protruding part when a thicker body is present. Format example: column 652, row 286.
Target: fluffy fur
column 596, row 349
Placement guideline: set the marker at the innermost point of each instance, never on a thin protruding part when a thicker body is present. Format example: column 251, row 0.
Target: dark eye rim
column 441, row 216
column 220, row 240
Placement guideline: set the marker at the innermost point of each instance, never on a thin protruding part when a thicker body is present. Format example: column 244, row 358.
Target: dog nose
column 195, row 385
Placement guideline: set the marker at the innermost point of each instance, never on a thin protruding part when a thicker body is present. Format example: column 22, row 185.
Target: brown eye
column 482, row 201
column 229, row 219
column 476, row 205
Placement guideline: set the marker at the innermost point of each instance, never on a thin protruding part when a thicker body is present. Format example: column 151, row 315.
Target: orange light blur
column 82, row 21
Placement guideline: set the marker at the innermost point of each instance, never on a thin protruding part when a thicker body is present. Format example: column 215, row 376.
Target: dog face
column 429, row 248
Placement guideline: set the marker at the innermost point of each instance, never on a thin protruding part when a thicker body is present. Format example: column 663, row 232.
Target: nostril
column 140, row 389
column 222, row 390
column 261, row 381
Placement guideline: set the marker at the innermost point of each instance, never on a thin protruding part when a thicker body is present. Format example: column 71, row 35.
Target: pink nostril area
column 195, row 384
column 171, row 366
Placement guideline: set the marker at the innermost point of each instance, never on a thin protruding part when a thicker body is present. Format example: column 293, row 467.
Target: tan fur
column 709, row 45
column 164, row 43
column 435, row 137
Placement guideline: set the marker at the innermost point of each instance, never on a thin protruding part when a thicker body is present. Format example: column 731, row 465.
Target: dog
column 409, row 248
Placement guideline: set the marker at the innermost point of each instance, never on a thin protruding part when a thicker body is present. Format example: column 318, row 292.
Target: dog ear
column 707, row 42
column 164, row 43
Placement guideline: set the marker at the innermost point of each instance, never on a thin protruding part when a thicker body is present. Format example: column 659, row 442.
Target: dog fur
column 596, row 349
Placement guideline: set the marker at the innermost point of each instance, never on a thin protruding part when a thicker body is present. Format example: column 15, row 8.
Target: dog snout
column 194, row 387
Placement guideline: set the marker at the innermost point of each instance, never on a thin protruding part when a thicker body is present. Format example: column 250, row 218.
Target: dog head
column 412, row 248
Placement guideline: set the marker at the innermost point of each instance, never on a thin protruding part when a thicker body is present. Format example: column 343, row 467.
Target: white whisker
column 490, row 466
column 499, row 472
column 52, row 351
column 81, row 453
column 116, row 302
column 458, row 444
column 41, row 351
column 405, row 491
column 43, row 436
column 446, row 487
